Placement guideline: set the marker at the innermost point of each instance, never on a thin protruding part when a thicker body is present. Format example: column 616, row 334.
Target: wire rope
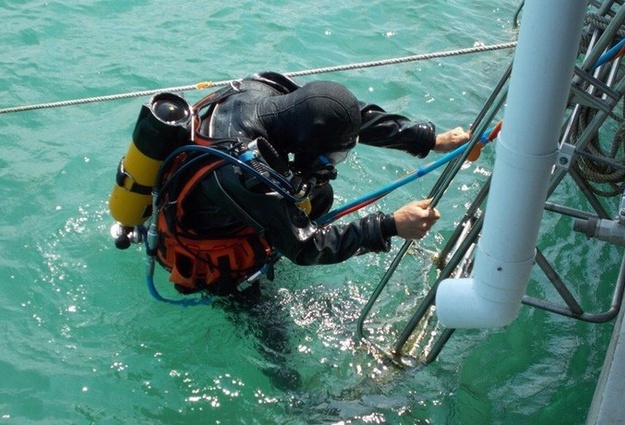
column 210, row 84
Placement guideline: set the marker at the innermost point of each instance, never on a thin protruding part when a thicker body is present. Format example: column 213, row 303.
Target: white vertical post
column 525, row 154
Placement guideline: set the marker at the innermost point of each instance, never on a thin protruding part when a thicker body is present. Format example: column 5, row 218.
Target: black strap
column 123, row 177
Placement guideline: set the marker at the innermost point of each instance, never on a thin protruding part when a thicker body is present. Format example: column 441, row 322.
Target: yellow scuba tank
column 162, row 126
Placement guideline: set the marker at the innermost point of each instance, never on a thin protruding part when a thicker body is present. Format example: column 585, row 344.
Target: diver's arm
column 290, row 231
column 382, row 129
column 335, row 243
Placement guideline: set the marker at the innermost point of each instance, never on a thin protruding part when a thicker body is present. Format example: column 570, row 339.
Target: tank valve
column 125, row 235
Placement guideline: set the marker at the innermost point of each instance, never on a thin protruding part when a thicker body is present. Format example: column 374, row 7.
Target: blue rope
column 609, row 55
column 385, row 190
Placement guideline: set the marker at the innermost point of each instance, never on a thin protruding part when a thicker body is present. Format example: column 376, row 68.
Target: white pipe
column 525, row 154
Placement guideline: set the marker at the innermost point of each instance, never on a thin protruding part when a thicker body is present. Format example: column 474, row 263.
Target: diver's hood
column 321, row 117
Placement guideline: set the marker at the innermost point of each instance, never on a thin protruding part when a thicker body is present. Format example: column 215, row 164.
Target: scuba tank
column 162, row 126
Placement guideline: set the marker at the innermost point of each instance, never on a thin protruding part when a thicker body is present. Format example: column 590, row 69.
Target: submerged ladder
column 596, row 90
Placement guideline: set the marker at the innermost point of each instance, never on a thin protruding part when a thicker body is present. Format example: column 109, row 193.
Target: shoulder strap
column 200, row 174
column 278, row 81
column 217, row 96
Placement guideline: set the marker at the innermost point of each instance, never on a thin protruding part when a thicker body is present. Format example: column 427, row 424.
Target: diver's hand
column 451, row 139
column 415, row 219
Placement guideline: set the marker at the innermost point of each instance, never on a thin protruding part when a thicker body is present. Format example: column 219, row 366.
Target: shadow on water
column 305, row 337
column 259, row 313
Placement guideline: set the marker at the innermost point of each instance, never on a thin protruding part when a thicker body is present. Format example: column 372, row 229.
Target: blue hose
column 183, row 302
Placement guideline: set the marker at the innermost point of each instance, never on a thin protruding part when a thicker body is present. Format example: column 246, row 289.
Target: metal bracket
column 565, row 156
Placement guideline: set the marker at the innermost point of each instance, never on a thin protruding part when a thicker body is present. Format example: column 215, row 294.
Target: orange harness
column 199, row 263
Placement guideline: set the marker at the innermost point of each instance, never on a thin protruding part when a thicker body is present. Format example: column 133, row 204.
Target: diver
column 298, row 135
column 244, row 178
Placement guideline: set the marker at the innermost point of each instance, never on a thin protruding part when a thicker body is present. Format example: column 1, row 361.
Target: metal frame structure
column 599, row 89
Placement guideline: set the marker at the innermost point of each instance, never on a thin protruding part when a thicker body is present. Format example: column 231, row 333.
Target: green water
column 82, row 340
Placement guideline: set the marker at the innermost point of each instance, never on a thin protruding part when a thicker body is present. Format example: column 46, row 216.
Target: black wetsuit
column 224, row 199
